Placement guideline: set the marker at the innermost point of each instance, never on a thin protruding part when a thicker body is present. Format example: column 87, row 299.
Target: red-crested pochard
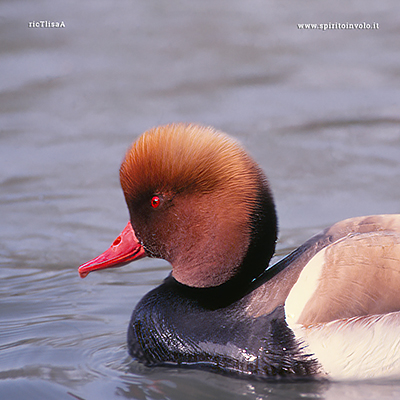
column 331, row 308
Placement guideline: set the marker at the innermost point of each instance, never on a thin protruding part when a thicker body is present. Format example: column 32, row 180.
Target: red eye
column 155, row 201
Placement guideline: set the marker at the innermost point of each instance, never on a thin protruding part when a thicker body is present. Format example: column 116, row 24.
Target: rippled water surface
column 319, row 110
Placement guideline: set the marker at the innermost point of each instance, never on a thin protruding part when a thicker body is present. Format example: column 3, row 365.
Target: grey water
column 318, row 109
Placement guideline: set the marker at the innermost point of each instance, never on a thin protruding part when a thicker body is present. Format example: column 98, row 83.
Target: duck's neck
column 264, row 234
column 260, row 251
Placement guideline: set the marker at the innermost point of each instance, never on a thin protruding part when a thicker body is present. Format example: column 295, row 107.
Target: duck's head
column 197, row 200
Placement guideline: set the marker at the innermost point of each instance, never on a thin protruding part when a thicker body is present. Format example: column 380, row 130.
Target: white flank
column 357, row 348
column 304, row 288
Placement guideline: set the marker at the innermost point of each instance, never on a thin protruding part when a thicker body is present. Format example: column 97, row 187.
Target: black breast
column 172, row 326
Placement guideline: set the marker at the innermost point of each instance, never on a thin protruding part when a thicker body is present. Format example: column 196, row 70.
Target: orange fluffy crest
column 187, row 158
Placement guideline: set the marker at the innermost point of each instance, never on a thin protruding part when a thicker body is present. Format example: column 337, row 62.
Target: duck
column 328, row 310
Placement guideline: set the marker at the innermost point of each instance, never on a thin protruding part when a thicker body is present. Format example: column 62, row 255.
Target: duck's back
column 342, row 297
column 357, row 274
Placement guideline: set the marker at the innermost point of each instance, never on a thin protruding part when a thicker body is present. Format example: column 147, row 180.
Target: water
column 319, row 110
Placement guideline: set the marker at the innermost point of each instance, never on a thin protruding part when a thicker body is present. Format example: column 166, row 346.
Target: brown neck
column 259, row 249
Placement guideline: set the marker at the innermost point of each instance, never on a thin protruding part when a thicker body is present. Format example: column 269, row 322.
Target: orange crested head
column 194, row 197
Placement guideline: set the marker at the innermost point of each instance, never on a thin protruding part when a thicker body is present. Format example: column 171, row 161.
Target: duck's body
column 199, row 201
